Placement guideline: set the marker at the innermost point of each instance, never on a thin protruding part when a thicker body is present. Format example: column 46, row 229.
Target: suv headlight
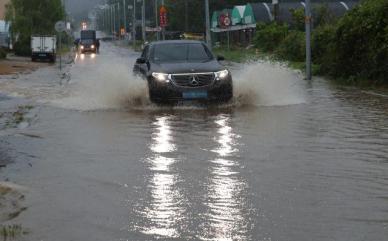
column 221, row 74
column 82, row 47
column 92, row 46
column 161, row 77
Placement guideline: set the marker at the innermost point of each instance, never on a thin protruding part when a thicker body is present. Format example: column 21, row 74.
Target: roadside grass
column 64, row 50
column 18, row 116
column 243, row 55
column 238, row 54
column 315, row 68
column 10, row 232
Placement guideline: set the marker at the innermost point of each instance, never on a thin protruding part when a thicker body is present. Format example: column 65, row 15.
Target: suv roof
column 176, row 41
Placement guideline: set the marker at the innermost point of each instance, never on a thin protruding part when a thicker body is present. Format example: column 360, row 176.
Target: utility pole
column 112, row 21
column 125, row 16
column 208, row 38
column 134, row 25
column 118, row 20
column 143, row 23
column 156, row 19
column 308, row 39
column 164, row 28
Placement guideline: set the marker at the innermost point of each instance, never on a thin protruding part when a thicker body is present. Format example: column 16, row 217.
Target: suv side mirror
column 141, row 60
column 220, row 58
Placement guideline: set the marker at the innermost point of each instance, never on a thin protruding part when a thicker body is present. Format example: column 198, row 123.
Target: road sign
column 224, row 20
column 163, row 16
column 60, row 26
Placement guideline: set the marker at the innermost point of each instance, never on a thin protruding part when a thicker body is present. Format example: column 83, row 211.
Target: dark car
column 87, row 45
column 183, row 70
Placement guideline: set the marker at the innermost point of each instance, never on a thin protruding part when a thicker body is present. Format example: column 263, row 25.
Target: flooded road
column 286, row 160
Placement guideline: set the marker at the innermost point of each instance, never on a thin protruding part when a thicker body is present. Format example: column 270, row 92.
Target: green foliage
column 360, row 43
column 293, row 47
column 3, row 53
column 32, row 17
column 236, row 54
column 352, row 48
column 323, row 16
column 298, row 18
column 322, row 47
column 22, row 46
column 269, row 36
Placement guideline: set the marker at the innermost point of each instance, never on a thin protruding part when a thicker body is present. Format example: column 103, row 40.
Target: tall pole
column 143, row 24
column 156, row 19
column 112, row 21
column 134, row 25
column 118, row 20
column 106, row 19
column 125, row 16
column 164, row 28
column 308, row 40
column 208, row 39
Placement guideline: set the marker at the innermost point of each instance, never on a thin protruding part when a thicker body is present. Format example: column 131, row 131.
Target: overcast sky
column 79, row 8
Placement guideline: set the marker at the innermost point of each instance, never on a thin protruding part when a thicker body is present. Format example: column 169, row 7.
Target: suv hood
column 187, row 67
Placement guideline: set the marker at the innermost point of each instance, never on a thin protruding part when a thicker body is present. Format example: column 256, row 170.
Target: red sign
column 163, row 16
column 224, row 20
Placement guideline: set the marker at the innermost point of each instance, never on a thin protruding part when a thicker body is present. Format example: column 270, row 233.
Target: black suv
column 183, row 70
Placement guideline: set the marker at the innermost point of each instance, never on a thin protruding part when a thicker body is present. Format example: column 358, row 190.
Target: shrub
column 269, row 36
column 23, row 46
column 360, row 43
column 323, row 16
column 293, row 47
column 322, row 47
column 3, row 53
column 298, row 17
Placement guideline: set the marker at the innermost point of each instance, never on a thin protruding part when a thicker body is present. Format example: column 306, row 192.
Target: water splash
column 107, row 82
column 265, row 83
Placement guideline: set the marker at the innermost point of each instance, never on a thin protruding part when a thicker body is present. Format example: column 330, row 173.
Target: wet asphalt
column 286, row 160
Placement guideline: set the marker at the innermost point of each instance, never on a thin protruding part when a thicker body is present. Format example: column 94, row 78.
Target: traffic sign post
column 308, row 39
column 225, row 22
column 163, row 19
column 60, row 26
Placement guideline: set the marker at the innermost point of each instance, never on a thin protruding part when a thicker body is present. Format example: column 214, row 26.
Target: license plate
column 42, row 55
column 195, row 95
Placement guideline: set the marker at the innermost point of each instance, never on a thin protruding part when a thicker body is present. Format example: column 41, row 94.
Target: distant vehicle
column 43, row 48
column 88, row 41
column 87, row 45
column 88, row 34
column 183, row 70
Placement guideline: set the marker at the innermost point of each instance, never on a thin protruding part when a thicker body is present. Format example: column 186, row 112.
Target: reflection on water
column 164, row 210
column 225, row 205
column 162, row 139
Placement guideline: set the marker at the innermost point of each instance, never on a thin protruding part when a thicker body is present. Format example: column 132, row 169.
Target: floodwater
column 288, row 159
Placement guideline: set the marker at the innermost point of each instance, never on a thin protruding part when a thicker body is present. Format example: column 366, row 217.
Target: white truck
column 43, row 47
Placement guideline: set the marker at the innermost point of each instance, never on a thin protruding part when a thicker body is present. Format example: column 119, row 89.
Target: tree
column 29, row 17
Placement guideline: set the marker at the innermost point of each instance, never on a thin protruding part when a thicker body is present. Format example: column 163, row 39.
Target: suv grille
column 193, row 80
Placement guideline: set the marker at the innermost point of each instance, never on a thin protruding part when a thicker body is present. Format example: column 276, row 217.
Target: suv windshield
column 87, row 41
column 182, row 52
